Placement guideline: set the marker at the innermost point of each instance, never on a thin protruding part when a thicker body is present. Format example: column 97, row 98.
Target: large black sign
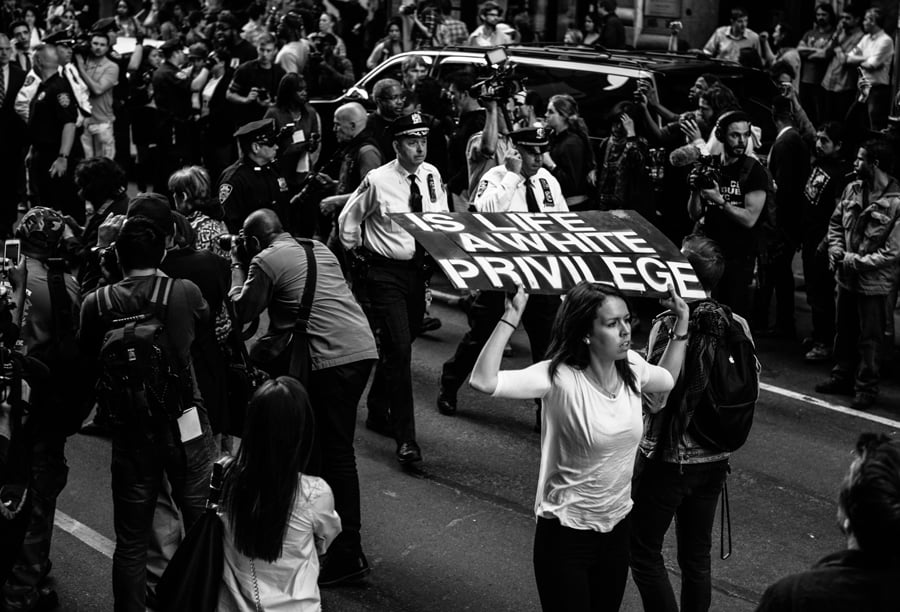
column 551, row 252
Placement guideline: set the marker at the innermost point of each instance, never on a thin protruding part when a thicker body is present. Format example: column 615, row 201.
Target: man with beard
column 826, row 182
column 226, row 37
column 864, row 252
column 728, row 209
column 100, row 74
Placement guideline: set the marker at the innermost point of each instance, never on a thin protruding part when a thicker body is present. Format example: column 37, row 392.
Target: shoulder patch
column 363, row 186
column 30, row 80
column 224, row 191
column 63, row 100
column 482, row 186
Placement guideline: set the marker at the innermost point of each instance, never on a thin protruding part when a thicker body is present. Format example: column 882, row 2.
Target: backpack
column 769, row 239
column 715, row 397
column 139, row 382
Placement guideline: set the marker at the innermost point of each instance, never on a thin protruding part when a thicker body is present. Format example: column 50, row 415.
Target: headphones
column 726, row 119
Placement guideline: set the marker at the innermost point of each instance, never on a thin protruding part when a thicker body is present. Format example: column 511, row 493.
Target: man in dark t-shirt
column 729, row 210
column 255, row 83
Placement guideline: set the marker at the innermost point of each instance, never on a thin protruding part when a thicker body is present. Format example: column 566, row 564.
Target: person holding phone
column 622, row 179
column 590, row 386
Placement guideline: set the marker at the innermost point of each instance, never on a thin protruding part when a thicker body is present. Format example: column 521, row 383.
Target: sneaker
column 835, row 386
column 818, row 352
column 340, row 568
column 863, row 400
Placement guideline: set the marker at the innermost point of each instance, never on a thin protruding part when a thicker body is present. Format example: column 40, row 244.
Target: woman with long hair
column 389, row 46
column 590, row 386
column 298, row 147
column 591, row 29
column 277, row 519
column 570, row 159
column 191, row 190
column 32, row 19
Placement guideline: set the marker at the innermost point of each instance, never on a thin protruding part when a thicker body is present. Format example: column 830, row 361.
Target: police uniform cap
column 171, row 46
column 63, row 37
column 257, row 131
column 156, row 208
column 412, row 126
column 533, row 137
column 104, row 26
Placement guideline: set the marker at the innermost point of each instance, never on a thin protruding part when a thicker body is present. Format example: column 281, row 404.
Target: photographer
column 100, row 74
column 253, row 181
column 726, row 203
column 341, row 351
column 328, row 74
column 50, row 320
column 255, row 83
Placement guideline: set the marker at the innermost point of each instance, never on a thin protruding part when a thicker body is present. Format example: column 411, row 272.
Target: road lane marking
column 95, row 540
column 815, row 401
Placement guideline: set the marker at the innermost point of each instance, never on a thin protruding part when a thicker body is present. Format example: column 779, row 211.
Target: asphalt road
column 456, row 533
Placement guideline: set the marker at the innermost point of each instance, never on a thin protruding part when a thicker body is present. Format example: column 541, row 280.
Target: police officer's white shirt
column 385, row 190
column 503, row 191
column 29, row 88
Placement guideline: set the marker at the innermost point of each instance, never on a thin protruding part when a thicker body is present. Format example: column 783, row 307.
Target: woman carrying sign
column 591, row 389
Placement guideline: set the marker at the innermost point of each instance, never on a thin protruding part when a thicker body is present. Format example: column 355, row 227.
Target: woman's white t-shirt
column 588, row 440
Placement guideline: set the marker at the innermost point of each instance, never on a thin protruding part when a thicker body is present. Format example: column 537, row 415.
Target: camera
column 705, row 173
column 409, row 9
column 500, row 85
column 227, row 241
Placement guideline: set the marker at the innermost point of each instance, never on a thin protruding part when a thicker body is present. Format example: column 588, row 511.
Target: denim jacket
column 871, row 235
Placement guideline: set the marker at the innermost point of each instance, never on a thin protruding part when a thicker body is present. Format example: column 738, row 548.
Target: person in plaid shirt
column 451, row 32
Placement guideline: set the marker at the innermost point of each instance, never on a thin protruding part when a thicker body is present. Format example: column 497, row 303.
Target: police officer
column 51, row 127
column 392, row 283
column 253, row 181
column 172, row 96
column 520, row 184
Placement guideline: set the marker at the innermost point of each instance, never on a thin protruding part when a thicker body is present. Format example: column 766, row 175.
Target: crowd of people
column 136, row 308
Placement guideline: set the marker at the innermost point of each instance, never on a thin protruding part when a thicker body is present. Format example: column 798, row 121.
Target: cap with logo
column 409, row 126
column 41, row 229
column 535, row 138
column 262, row 131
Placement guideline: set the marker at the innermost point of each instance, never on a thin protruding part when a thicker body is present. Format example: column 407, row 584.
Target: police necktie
column 530, row 200
column 2, row 86
column 415, row 196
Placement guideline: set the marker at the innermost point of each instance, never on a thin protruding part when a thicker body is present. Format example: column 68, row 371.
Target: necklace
column 599, row 385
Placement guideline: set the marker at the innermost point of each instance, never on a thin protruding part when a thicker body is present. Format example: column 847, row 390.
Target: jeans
column 98, row 139
column 819, row 292
column 49, row 474
column 859, row 338
column 580, row 570
column 137, row 469
column 689, row 493
column 484, row 314
column 334, row 394
column 395, row 305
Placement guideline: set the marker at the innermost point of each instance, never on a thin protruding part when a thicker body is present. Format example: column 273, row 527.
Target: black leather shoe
column 379, row 427
column 409, row 452
column 446, row 402
column 863, row 401
column 339, row 568
column 430, row 324
column 835, row 386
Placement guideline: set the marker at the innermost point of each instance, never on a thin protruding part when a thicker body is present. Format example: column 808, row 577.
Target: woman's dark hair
column 595, row 18
column 100, row 179
column 262, row 485
column 575, row 320
column 720, row 99
column 706, row 258
column 710, row 79
column 869, row 498
column 394, row 21
column 141, row 244
column 286, row 98
column 194, row 182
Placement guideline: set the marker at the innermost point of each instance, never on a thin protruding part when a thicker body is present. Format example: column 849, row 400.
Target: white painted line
column 98, row 542
column 815, row 401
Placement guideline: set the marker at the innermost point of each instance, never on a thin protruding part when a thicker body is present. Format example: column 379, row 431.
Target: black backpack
column 724, row 416
column 139, row 382
column 718, row 415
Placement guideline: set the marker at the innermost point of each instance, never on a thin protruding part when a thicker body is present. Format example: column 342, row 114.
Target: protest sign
column 551, row 252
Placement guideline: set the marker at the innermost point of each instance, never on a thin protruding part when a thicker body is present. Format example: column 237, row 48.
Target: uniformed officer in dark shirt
column 51, row 128
column 172, row 95
column 254, row 182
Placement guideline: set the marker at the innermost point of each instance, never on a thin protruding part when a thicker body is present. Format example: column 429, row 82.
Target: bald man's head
column 263, row 225
column 45, row 59
column 349, row 120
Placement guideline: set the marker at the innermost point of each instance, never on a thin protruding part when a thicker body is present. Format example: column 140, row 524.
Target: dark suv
column 597, row 80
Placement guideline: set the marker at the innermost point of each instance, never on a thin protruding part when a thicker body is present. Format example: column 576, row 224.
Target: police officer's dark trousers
column 484, row 314
column 395, row 305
